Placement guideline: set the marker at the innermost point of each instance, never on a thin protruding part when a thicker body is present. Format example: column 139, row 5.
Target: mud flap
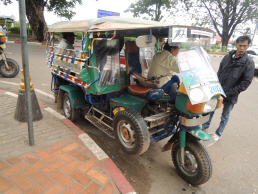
column 209, row 142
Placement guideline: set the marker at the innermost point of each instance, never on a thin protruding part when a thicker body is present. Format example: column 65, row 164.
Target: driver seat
column 143, row 89
column 146, row 84
column 138, row 90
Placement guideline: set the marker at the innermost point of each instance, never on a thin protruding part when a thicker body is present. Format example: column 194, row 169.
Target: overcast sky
column 87, row 10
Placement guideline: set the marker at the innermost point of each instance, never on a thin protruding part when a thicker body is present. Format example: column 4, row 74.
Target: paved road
column 234, row 157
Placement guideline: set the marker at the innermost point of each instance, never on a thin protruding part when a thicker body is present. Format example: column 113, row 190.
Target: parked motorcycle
column 8, row 67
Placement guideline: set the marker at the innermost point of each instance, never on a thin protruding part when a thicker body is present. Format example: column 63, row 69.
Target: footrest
column 101, row 121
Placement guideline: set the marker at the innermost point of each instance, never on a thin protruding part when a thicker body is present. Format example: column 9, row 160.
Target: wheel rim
column 191, row 166
column 11, row 70
column 67, row 107
column 126, row 134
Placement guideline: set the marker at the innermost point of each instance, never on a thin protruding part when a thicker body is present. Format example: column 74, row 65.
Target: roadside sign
column 104, row 13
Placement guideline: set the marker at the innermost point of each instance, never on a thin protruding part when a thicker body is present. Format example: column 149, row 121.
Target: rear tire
column 72, row 114
column 198, row 167
column 13, row 68
column 131, row 132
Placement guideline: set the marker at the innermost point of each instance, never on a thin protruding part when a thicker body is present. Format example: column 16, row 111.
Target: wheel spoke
column 67, row 107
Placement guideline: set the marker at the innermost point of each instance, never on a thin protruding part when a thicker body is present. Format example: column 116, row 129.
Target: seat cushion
column 138, row 90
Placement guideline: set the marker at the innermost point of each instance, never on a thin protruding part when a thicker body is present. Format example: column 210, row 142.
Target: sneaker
column 207, row 131
column 216, row 137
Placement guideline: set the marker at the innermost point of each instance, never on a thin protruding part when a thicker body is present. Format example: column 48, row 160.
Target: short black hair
column 243, row 39
column 66, row 34
column 168, row 47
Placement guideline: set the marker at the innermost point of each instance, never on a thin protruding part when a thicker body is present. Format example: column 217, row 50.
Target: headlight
column 210, row 105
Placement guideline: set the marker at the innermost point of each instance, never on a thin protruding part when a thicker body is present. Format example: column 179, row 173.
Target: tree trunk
column 225, row 41
column 35, row 15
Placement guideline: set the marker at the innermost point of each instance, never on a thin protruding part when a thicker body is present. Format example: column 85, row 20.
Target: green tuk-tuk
column 106, row 81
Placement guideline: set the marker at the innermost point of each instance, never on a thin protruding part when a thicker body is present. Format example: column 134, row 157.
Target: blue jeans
column 227, row 107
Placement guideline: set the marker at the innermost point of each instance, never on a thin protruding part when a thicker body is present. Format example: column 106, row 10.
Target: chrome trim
column 157, row 119
column 193, row 122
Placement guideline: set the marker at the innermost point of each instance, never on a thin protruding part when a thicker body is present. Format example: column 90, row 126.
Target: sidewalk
column 63, row 160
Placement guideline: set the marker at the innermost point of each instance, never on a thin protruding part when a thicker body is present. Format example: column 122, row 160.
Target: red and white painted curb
column 216, row 55
column 121, row 182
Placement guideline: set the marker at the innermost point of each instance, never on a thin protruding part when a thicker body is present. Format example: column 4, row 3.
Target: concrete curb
column 121, row 182
column 34, row 43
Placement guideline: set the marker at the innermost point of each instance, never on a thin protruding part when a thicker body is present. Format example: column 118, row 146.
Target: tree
column 223, row 15
column 35, row 13
column 152, row 8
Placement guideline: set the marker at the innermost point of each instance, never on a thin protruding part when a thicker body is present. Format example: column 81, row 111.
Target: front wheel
column 72, row 114
column 131, row 131
column 197, row 167
column 13, row 68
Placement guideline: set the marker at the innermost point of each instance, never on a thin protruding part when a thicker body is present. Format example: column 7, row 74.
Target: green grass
column 218, row 53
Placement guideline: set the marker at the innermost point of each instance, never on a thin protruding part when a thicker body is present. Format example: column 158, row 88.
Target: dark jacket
column 235, row 77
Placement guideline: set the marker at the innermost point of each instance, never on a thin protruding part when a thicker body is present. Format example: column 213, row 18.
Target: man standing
column 235, row 74
column 164, row 62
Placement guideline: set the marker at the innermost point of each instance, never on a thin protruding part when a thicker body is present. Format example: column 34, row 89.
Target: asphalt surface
column 234, row 156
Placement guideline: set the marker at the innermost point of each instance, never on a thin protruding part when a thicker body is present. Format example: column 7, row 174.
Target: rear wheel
column 71, row 113
column 13, row 68
column 197, row 167
column 131, row 131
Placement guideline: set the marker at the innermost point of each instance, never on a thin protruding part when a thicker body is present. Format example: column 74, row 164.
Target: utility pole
column 27, row 108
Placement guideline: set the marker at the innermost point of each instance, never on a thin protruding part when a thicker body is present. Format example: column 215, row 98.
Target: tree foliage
column 152, row 8
column 224, row 15
column 35, row 13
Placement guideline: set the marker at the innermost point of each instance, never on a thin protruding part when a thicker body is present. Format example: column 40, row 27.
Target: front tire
column 131, row 131
column 72, row 114
column 197, row 168
column 13, row 68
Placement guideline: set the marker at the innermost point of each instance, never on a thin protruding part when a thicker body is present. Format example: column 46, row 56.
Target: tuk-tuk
column 106, row 82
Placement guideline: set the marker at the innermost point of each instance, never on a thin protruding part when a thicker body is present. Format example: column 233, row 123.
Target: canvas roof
column 3, row 17
column 105, row 24
column 108, row 24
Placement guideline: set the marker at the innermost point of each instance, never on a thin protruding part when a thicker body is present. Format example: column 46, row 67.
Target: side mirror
column 174, row 87
column 144, row 41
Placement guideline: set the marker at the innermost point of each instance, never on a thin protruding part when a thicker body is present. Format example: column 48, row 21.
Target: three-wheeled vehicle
column 106, row 81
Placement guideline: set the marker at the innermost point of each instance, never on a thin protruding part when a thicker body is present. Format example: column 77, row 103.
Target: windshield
column 190, row 37
column 198, row 75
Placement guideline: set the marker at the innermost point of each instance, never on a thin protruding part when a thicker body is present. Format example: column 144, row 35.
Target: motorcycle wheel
column 13, row 68
column 72, row 114
column 197, row 168
column 131, row 132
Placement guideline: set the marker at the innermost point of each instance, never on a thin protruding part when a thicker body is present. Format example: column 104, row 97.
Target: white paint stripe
column 44, row 93
column 97, row 151
column 37, row 90
column 53, row 112
column 11, row 94
column 9, row 83
column 131, row 193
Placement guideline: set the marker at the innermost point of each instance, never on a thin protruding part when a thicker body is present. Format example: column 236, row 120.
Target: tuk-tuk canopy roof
column 126, row 25
column 105, row 24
